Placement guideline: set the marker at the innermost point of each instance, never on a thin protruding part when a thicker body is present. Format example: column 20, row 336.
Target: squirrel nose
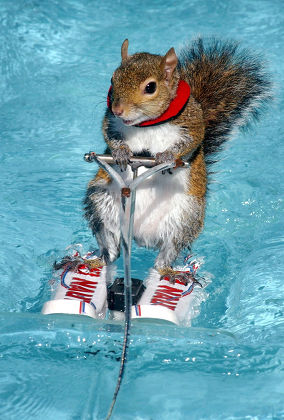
column 117, row 110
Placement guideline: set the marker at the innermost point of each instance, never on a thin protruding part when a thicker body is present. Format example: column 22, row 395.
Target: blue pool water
column 57, row 58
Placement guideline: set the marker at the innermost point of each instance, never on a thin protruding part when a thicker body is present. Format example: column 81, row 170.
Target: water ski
column 97, row 293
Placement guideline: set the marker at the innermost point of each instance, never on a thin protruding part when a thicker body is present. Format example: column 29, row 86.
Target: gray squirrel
column 168, row 108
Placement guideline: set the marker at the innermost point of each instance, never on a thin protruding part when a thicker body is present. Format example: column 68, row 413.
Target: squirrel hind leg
column 109, row 244
column 169, row 252
column 101, row 212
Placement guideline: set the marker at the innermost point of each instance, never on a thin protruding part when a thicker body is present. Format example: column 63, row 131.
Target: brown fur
column 133, row 72
column 198, row 176
column 227, row 86
column 101, row 176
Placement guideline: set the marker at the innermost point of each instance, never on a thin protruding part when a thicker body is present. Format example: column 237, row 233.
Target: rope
column 128, row 203
column 124, row 349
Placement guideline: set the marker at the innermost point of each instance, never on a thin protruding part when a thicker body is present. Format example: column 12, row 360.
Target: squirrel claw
column 72, row 263
column 163, row 157
column 183, row 277
column 94, row 263
column 168, row 273
column 121, row 156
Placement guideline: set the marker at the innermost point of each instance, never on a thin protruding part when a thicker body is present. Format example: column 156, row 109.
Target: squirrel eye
column 150, row 88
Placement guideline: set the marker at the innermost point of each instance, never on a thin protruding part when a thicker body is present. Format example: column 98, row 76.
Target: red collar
column 174, row 109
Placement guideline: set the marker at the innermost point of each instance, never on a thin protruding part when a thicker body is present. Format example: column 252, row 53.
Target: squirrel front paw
column 122, row 155
column 163, row 157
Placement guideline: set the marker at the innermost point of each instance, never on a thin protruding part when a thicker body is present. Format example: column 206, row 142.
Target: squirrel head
column 143, row 85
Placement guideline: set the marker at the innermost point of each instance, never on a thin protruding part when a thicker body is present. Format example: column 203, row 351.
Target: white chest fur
column 162, row 201
column 153, row 139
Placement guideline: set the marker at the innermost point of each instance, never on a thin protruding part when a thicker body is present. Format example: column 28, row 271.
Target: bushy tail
column 230, row 85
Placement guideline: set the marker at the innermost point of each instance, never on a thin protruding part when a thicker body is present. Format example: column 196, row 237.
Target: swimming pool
column 57, row 59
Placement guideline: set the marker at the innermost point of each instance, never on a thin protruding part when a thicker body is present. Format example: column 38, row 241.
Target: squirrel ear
column 169, row 63
column 124, row 50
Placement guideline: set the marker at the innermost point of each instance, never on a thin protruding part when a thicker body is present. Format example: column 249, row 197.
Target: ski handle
column 136, row 161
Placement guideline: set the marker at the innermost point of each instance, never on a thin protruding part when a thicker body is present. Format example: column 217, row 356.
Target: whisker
column 99, row 103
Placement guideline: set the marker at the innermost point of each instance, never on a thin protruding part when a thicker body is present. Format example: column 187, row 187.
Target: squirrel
column 170, row 107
